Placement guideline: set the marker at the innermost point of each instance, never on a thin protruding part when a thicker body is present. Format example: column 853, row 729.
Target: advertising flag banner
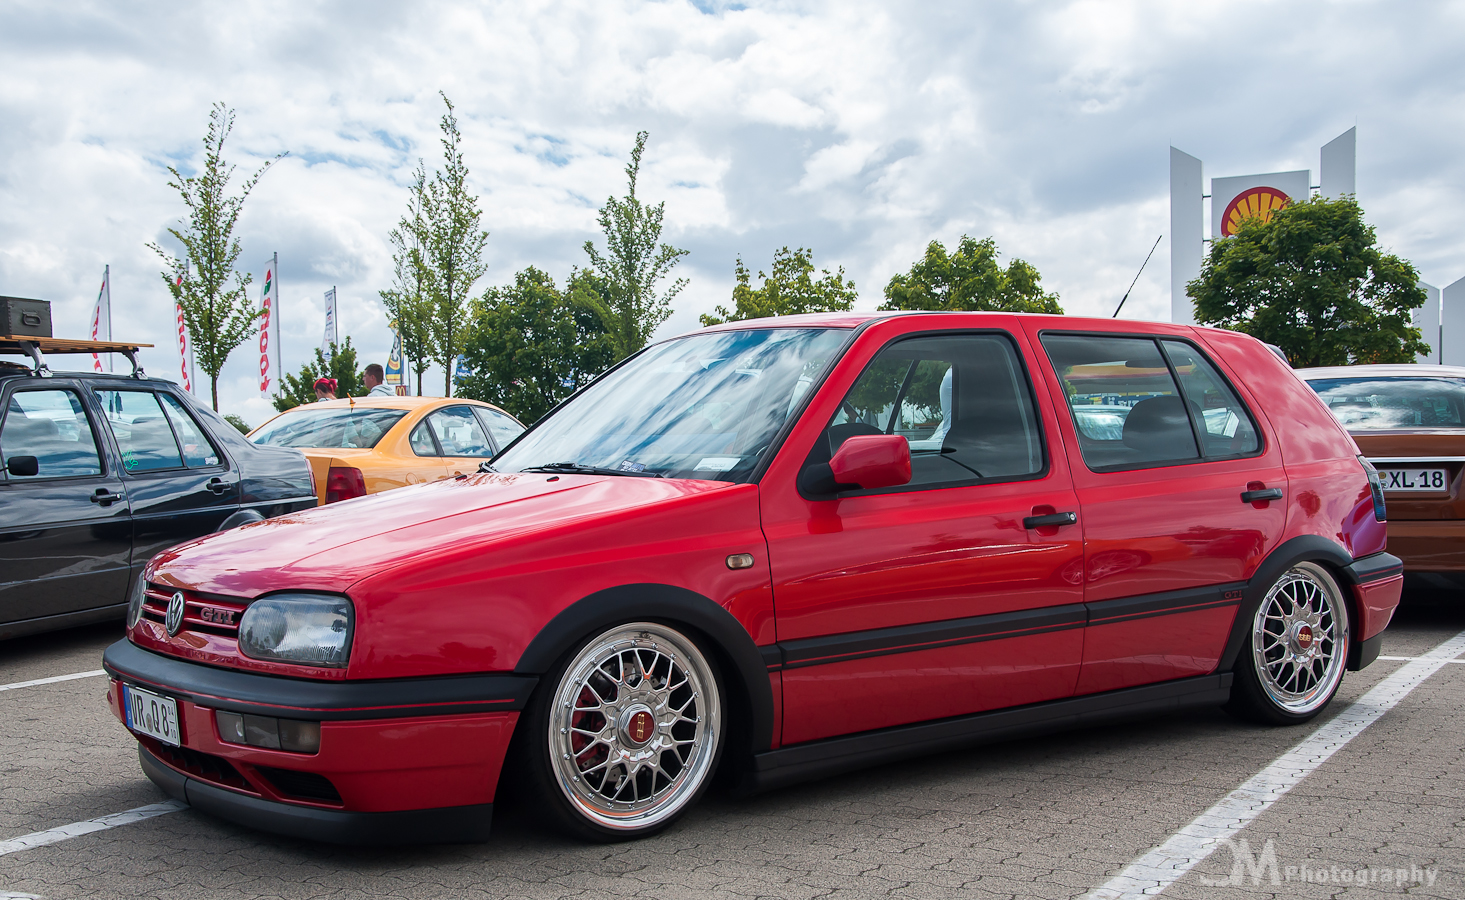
column 185, row 351
column 102, row 315
column 1234, row 200
column 328, row 340
column 269, row 328
column 460, row 369
column 394, row 359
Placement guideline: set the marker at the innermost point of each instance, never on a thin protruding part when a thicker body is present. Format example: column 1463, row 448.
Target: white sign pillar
column 1452, row 324
column 1427, row 320
column 1339, row 171
column 1187, row 232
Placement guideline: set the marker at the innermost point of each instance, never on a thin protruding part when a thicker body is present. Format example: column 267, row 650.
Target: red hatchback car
column 781, row 549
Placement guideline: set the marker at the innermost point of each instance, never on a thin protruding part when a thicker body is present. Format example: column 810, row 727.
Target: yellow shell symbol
column 1255, row 203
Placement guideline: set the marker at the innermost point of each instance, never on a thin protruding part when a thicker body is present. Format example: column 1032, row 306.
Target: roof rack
column 33, row 347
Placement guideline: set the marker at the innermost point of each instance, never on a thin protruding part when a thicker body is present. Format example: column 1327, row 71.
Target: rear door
column 65, row 535
column 179, row 482
column 1160, row 470
column 461, row 438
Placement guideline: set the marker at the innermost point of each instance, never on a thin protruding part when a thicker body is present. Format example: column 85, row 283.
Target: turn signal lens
column 309, row 629
column 343, row 483
column 268, row 732
column 1375, row 487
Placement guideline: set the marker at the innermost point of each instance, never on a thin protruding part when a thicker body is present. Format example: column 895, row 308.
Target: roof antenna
column 1136, row 278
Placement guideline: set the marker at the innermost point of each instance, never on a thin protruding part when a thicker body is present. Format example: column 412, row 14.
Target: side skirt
column 821, row 759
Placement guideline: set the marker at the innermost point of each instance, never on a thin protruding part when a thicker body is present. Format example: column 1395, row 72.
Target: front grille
column 201, row 612
column 203, row 766
column 301, row 785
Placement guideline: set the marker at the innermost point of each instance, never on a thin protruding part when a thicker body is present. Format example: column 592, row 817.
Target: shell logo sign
column 1256, row 203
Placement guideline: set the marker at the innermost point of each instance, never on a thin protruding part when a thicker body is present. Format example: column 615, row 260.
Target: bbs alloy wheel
column 634, row 728
column 1298, row 648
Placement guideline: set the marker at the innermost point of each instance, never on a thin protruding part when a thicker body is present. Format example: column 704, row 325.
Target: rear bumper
column 1428, row 545
column 1377, row 582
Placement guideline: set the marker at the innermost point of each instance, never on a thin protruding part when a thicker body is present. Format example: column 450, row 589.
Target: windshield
column 1375, row 404
column 328, row 428
column 705, row 406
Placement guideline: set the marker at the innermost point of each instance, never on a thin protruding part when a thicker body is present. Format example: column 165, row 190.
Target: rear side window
column 459, row 432
column 1141, row 403
column 52, row 426
column 198, row 450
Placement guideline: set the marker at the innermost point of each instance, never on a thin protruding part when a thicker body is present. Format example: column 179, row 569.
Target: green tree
column 531, row 345
column 791, row 289
column 1313, row 281
column 969, row 280
column 633, row 263
column 238, row 422
column 453, row 250
column 297, row 390
column 218, row 317
column 409, row 306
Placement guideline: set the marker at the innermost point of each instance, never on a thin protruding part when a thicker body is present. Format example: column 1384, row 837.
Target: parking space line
column 77, row 829
column 52, row 680
column 1458, row 662
column 1155, row 871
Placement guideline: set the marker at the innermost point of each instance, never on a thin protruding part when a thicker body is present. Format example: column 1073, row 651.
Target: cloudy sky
column 862, row 130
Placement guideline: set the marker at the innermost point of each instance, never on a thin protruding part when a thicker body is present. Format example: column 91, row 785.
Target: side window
column 52, row 426
column 142, row 430
column 503, row 428
column 961, row 401
column 198, row 450
column 1225, row 426
column 1126, row 407
column 459, row 432
column 422, row 441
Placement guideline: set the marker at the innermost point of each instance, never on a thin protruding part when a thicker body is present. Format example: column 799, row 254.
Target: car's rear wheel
column 624, row 736
column 1297, row 650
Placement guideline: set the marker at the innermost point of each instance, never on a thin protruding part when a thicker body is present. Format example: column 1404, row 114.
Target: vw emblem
column 175, row 613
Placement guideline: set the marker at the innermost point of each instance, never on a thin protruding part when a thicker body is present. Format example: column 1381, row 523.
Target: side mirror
column 863, row 462
column 23, row 466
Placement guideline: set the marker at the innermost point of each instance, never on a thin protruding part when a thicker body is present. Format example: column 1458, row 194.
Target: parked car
column 593, row 621
column 101, row 472
column 1409, row 420
column 364, row 445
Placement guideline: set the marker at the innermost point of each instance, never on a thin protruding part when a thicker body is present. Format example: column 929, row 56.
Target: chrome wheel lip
column 621, row 749
column 1300, row 640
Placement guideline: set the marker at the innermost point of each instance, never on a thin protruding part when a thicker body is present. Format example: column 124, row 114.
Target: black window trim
column 1038, row 422
column 1158, row 340
column 97, row 441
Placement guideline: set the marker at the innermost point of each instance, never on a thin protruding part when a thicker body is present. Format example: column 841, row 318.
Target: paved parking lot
column 1059, row 816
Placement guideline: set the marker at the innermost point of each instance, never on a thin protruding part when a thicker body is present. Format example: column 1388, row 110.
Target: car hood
column 329, row 548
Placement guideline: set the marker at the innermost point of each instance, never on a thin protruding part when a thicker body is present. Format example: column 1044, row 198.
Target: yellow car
column 362, row 445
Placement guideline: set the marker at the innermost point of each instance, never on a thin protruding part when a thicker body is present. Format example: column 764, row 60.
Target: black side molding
column 446, row 825
column 299, row 698
column 1373, row 567
column 820, row 759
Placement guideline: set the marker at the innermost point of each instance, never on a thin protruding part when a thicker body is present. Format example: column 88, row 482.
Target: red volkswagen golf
column 778, row 550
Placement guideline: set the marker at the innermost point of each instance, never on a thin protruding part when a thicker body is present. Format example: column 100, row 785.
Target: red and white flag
column 102, row 315
column 269, row 327
column 185, row 352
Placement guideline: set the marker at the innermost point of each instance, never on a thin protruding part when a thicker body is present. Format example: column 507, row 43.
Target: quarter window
column 198, row 450
column 961, row 401
column 422, row 441
column 52, row 426
column 1224, row 425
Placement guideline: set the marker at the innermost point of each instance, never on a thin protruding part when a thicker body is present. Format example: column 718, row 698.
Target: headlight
column 134, row 602
column 311, row 629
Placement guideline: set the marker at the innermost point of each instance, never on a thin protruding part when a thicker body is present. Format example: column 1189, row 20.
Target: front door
column 933, row 599
column 64, row 531
column 1162, row 450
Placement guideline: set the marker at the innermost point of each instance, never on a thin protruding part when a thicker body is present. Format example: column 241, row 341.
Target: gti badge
column 175, row 613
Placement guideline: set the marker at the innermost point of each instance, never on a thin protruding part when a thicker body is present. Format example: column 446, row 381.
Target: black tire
column 1296, row 650
column 629, row 764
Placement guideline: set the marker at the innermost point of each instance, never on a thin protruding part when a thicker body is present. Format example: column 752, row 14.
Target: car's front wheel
column 624, row 735
column 1298, row 648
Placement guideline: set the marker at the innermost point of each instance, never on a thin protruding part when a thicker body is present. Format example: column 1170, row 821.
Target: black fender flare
column 1303, row 548
column 240, row 517
column 672, row 605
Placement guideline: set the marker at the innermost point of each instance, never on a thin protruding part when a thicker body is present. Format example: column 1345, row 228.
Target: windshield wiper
column 578, row 469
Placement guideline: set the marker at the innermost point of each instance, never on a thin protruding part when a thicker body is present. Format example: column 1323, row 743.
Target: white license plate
column 150, row 714
column 1432, row 480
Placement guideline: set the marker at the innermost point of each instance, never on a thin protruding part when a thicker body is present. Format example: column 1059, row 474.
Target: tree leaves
column 1313, row 282
column 791, row 289
column 969, row 280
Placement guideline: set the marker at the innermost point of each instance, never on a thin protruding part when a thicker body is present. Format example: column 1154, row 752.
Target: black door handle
column 105, row 497
column 1259, row 496
column 218, row 485
column 1063, row 518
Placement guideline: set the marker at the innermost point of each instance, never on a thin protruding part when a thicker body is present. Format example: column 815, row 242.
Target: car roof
column 855, row 319
column 408, row 403
column 10, row 371
column 1394, row 370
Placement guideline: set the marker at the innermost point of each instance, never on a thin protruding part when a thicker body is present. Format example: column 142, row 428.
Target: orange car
column 362, row 445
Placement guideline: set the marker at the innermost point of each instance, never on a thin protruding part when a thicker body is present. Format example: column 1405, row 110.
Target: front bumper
column 400, row 761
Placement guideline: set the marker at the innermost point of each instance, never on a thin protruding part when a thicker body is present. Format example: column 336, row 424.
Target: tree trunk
column 214, row 391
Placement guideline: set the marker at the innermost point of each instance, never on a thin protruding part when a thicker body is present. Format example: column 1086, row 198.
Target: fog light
column 268, row 732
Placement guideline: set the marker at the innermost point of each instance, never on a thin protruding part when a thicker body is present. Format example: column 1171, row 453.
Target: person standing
column 375, row 379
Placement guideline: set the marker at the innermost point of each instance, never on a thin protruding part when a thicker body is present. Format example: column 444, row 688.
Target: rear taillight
column 343, row 483
column 1376, row 487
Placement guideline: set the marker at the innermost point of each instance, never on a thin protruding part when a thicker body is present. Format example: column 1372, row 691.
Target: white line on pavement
column 1459, row 662
column 1152, row 873
column 72, row 677
column 77, row 829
